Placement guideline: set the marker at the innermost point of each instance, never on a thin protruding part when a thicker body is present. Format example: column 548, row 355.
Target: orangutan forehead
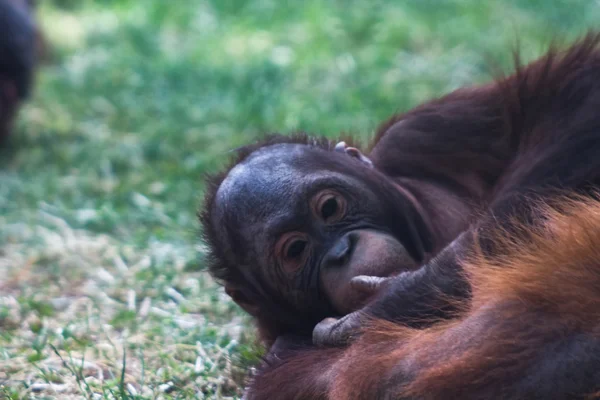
column 267, row 170
column 266, row 181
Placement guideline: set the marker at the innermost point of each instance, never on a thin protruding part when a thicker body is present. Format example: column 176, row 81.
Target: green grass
column 102, row 287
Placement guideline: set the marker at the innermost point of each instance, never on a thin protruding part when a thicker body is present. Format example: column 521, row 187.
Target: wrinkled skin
column 316, row 230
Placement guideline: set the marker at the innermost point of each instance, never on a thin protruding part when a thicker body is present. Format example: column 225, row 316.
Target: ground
column 103, row 292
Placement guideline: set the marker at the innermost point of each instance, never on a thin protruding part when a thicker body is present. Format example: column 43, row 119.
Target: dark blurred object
column 21, row 47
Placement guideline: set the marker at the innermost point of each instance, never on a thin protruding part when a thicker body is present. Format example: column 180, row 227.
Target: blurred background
column 102, row 288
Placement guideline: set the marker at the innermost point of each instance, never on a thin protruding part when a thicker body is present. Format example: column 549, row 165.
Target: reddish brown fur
column 549, row 277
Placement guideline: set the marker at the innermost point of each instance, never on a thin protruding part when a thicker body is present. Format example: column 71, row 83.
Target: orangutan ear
column 242, row 300
column 353, row 152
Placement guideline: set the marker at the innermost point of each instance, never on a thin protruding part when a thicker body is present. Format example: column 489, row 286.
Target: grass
column 102, row 290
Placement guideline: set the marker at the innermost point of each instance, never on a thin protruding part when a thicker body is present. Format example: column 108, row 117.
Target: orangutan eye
column 330, row 206
column 295, row 249
column 292, row 250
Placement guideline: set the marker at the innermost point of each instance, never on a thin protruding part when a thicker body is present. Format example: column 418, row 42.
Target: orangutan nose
column 339, row 254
